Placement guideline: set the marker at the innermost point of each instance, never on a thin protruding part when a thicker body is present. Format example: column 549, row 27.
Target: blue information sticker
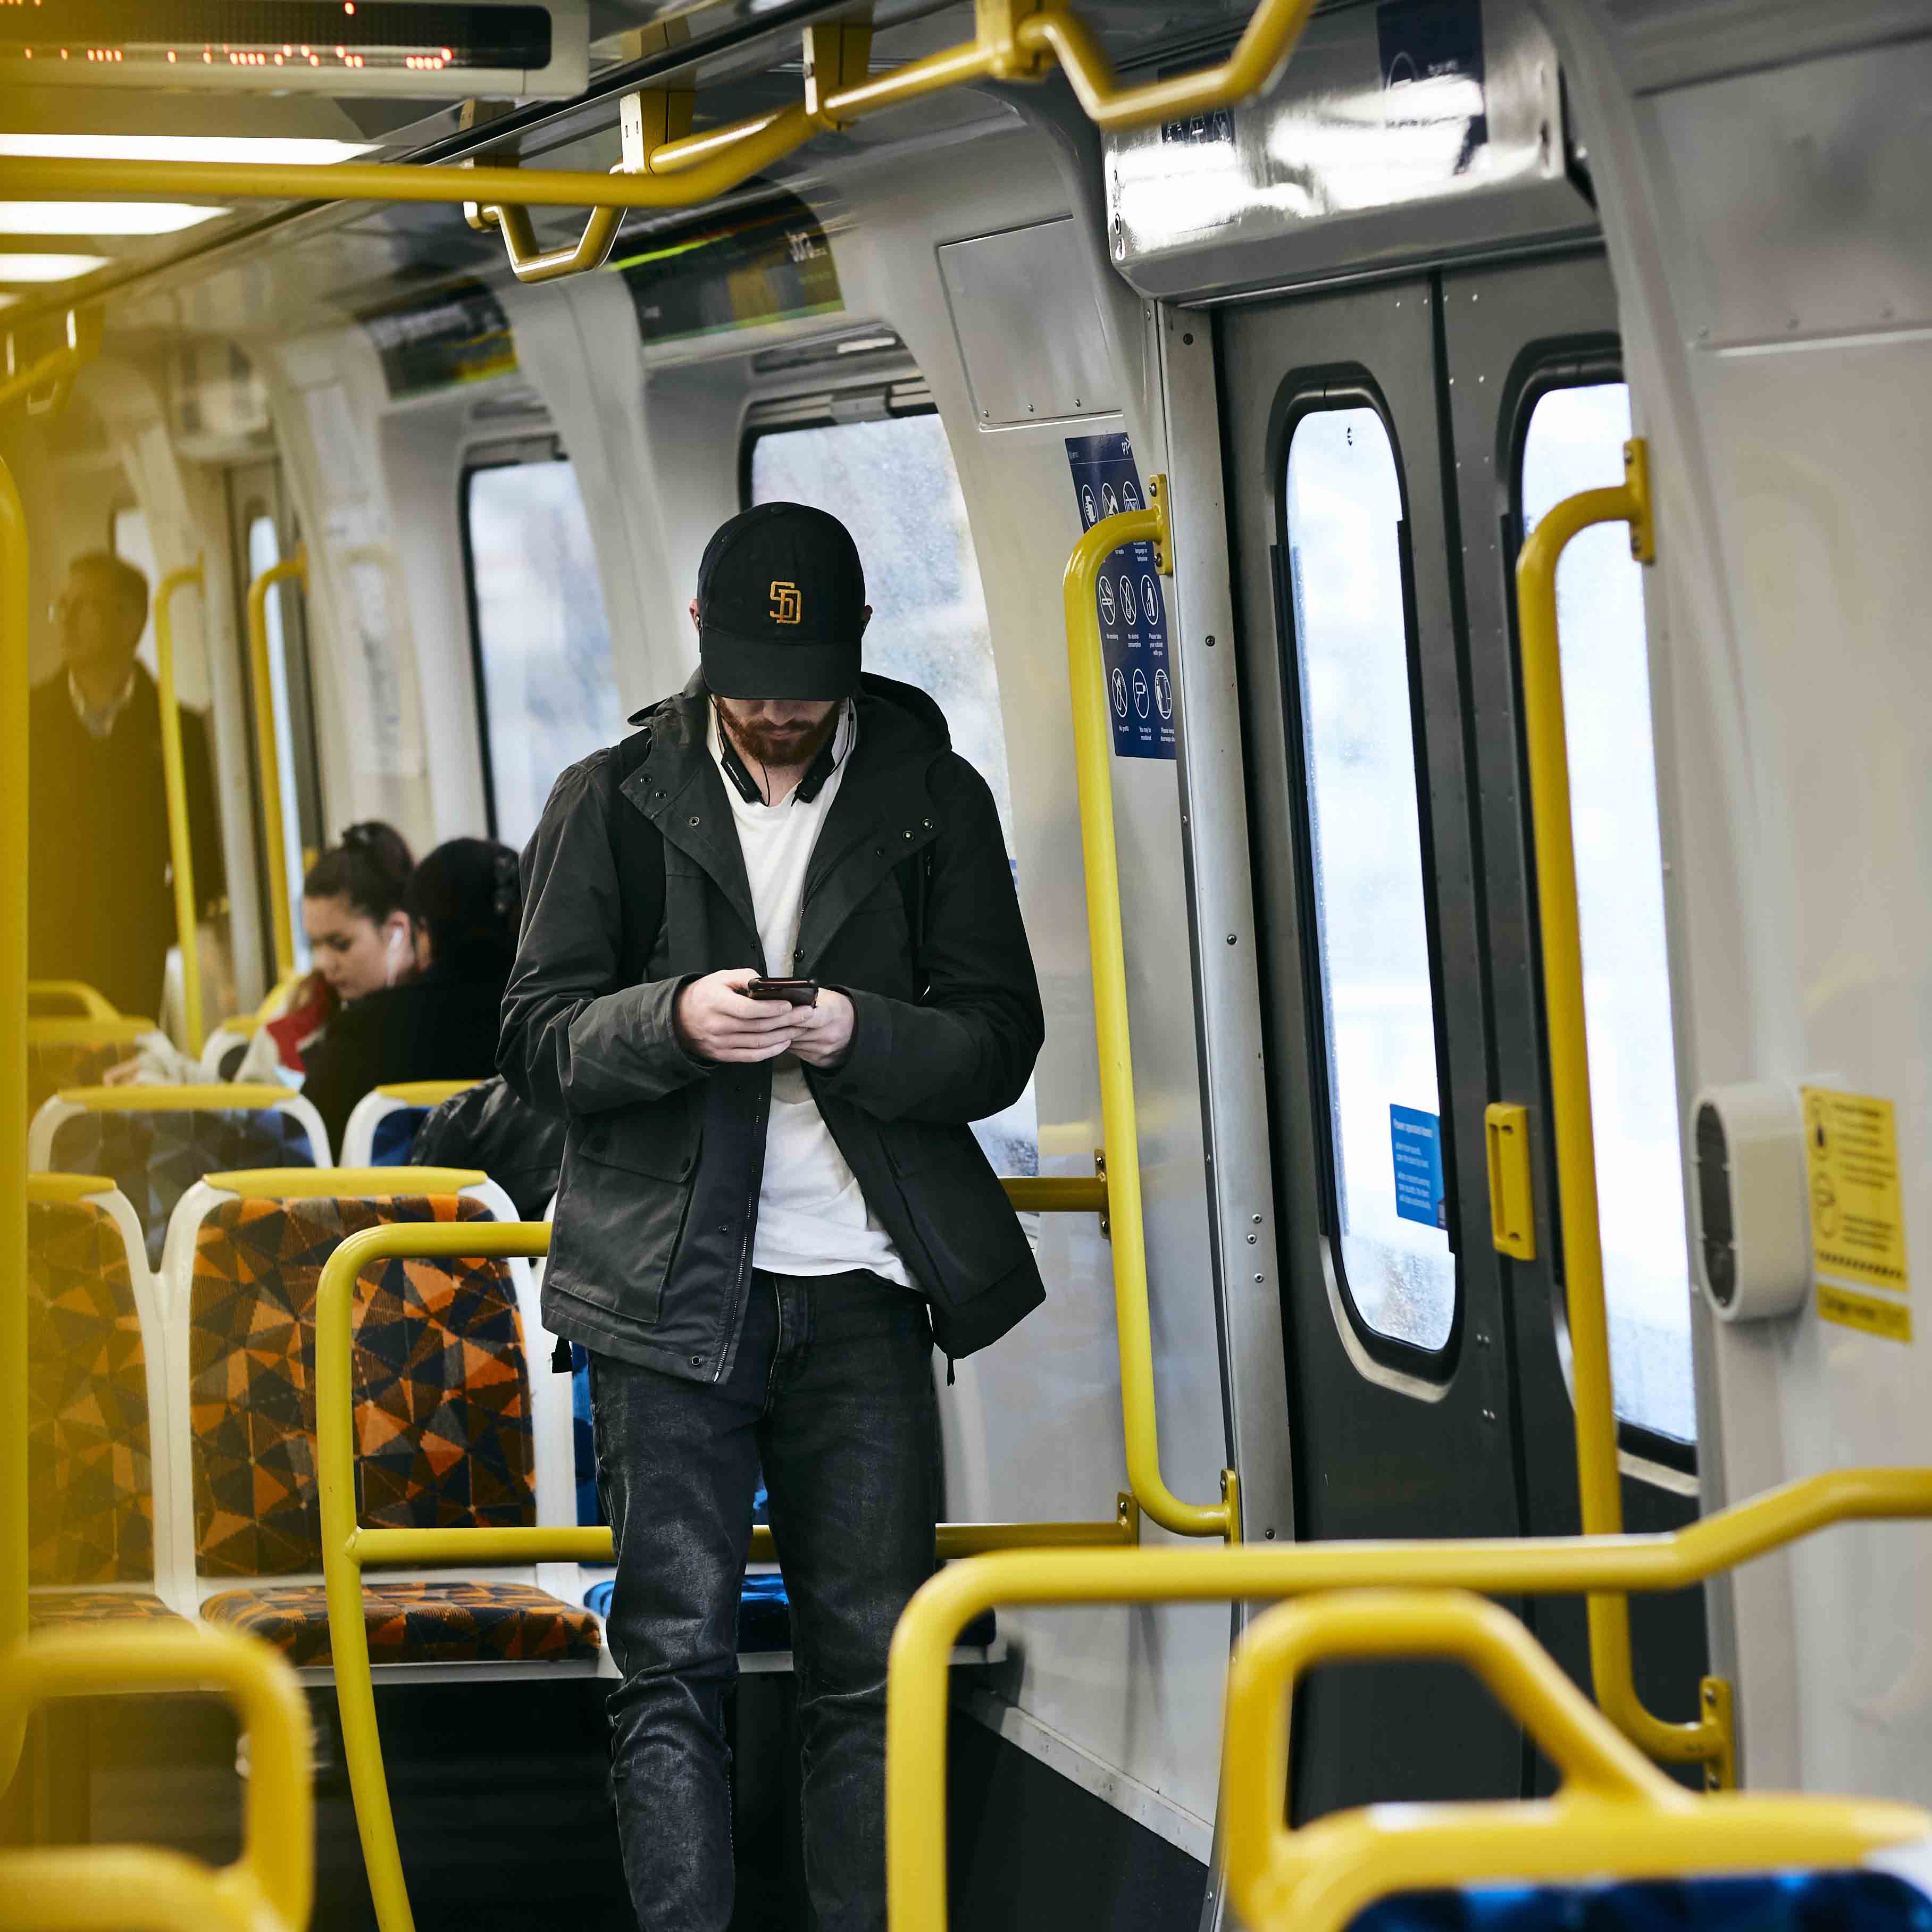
column 1417, row 1139
column 1133, row 612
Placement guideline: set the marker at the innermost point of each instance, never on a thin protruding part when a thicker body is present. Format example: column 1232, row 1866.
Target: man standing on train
column 772, row 1205
column 101, row 904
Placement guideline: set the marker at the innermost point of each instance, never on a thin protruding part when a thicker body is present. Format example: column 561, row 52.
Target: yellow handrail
column 1707, row 1739
column 14, row 754
column 916, row 1695
column 666, row 168
column 1614, row 1817
column 1093, row 736
column 55, row 371
column 174, row 775
column 268, row 760
column 270, row 1887
column 92, row 1004
column 347, row 1548
column 426, row 1092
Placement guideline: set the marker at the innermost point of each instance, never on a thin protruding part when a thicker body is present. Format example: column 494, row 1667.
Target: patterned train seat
column 76, row 1051
column 156, row 1142
column 96, row 1400
column 448, row 1426
column 382, row 1127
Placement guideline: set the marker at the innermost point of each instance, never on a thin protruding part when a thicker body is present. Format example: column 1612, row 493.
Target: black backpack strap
column 637, row 853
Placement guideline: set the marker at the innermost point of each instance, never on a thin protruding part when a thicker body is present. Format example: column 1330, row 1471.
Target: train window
column 1574, row 441
column 265, row 548
column 1389, row 1215
column 546, row 686
column 891, row 480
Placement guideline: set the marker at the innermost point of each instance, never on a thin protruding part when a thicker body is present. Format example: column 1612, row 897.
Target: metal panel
column 1227, row 984
column 1338, row 170
column 1027, row 360
column 1807, row 188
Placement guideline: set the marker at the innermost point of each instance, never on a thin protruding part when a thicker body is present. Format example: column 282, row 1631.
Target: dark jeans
column 833, row 1394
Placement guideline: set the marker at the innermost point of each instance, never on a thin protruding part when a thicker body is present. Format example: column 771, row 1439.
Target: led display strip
column 421, row 47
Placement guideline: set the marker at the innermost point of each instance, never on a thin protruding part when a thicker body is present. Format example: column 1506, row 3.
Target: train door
column 1375, row 440
column 262, row 531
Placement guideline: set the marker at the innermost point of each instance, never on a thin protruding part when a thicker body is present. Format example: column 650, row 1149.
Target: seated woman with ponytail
column 435, row 1016
column 360, row 939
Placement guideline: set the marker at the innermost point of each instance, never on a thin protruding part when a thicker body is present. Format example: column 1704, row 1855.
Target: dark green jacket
column 633, row 884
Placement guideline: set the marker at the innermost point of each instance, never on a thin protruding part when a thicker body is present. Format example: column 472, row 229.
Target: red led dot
column 171, row 56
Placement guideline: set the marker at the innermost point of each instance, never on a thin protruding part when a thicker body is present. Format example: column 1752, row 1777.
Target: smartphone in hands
column 793, row 992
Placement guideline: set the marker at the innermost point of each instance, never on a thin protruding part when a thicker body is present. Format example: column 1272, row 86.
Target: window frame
column 1305, row 393
column 773, row 415
column 540, row 446
column 1541, row 368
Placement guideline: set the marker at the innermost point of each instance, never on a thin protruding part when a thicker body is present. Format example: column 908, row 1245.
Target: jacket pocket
column 658, row 1137
column 959, row 1212
column 622, row 1201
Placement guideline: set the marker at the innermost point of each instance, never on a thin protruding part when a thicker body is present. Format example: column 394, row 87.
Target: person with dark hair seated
column 361, row 939
column 437, row 1019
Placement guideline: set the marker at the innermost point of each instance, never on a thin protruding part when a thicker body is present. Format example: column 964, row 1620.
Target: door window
column 545, row 684
column 1388, row 1202
column 891, row 482
column 1575, row 441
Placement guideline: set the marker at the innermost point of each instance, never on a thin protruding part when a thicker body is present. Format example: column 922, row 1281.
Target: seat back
column 70, row 1051
column 448, row 1414
column 97, row 1437
column 156, row 1142
column 382, row 1128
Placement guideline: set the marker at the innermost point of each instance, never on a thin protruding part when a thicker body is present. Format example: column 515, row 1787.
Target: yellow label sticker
column 1858, row 1214
column 1891, row 1320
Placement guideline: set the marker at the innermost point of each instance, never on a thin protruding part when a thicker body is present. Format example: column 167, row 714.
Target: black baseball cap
column 781, row 605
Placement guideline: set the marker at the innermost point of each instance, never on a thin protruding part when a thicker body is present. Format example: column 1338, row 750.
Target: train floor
column 503, row 1812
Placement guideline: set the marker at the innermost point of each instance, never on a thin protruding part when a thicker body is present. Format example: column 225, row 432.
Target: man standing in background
column 101, row 896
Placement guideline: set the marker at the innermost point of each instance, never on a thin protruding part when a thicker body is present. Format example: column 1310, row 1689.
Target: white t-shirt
column 812, row 1217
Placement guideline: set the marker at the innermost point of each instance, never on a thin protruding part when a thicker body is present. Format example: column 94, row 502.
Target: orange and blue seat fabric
column 91, row 1510
column 443, row 1430
column 155, row 1157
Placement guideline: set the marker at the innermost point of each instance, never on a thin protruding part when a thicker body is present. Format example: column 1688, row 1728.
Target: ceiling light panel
column 31, row 267
column 101, row 217
column 183, row 148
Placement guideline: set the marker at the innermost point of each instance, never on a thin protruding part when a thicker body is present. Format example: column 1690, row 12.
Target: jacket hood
column 916, row 711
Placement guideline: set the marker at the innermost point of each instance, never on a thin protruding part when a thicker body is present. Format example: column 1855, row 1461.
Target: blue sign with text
column 1417, row 1139
column 1133, row 613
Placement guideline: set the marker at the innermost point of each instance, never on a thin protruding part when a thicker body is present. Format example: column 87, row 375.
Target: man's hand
column 823, row 1034
column 716, row 1022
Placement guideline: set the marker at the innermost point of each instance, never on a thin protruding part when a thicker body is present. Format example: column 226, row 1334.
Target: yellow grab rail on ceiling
column 1707, row 1739
column 270, row 1887
column 14, row 755
column 1093, row 740
column 174, row 777
column 1614, row 1817
column 666, row 167
column 268, row 760
column 916, row 1691
column 347, row 1547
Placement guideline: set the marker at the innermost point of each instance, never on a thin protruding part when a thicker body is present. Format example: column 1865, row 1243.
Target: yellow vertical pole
column 181, row 834
column 1706, row 1739
column 13, row 753
column 267, row 762
column 1093, row 738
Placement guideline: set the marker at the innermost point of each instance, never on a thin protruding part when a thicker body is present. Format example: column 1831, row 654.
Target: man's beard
column 783, row 744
